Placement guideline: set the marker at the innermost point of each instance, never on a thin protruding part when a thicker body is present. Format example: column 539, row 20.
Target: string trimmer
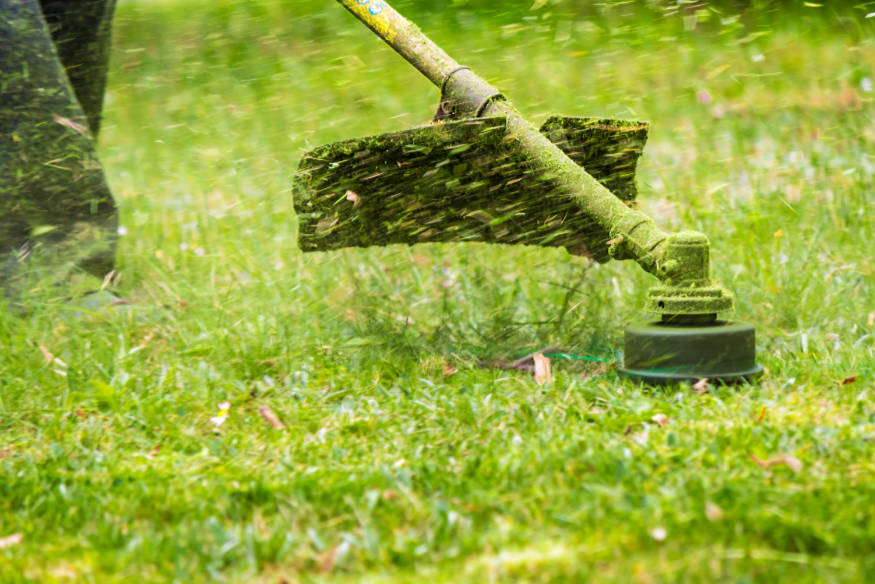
column 481, row 172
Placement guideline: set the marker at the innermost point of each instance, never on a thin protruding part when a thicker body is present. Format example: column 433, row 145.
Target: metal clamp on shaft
column 465, row 95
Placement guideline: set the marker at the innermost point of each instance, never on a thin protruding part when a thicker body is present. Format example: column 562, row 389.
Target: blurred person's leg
column 57, row 216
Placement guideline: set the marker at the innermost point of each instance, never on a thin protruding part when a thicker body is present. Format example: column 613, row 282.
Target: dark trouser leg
column 81, row 32
column 57, row 215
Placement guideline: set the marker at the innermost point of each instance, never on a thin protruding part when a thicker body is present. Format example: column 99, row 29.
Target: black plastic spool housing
column 663, row 353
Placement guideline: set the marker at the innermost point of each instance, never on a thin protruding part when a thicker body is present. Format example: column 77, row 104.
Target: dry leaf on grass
column 526, row 363
column 849, row 379
column 791, row 461
column 270, row 418
column 543, row 369
column 63, row 571
column 327, row 560
column 10, row 540
column 660, row 419
column 701, row 386
column 47, row 355
column 713, row 512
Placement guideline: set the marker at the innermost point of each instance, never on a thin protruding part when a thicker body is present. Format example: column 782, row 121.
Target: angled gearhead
column 689, row 342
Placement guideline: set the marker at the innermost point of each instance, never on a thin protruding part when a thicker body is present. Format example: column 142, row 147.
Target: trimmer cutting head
column 674, row 352
column 482, row 172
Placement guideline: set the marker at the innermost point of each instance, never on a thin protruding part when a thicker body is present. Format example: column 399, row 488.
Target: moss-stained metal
column 677, row 301
column 686, row 287
column 56, row 212
column 687, row 260
column 607, row 149
column 464, row 95
column 583, row 201
column 642, row 240
column 404, row 36
column 460, row 181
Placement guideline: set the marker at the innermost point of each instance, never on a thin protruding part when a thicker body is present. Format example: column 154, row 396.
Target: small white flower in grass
column 866, row 84
column 658, row 533
column 183, row 246
column 224, row 408
column 199, row 251
column 757, row 58
column 122, row 230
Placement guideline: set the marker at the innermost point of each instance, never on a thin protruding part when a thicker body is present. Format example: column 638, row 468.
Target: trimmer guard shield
column 460, row 181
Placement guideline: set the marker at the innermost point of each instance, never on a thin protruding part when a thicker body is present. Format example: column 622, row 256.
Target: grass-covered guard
column 401, row 458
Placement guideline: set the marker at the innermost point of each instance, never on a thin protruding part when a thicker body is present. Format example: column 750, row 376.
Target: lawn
column 403, row 454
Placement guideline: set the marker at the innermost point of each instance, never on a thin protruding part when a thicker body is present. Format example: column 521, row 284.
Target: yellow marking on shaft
column 380, row 23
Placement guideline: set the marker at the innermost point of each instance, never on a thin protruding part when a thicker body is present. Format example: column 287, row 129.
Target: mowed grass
column 400, row 458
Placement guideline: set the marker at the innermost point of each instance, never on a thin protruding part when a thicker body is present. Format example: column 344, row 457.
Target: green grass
column 391, row 467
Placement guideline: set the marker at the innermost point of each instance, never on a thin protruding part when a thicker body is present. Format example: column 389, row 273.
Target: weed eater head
column 489, row 175
column 689, row 342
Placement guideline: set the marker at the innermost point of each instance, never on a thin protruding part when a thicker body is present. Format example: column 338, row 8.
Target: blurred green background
column 403, row 458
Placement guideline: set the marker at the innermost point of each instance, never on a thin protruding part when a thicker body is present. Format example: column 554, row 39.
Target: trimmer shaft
column 662, row 353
